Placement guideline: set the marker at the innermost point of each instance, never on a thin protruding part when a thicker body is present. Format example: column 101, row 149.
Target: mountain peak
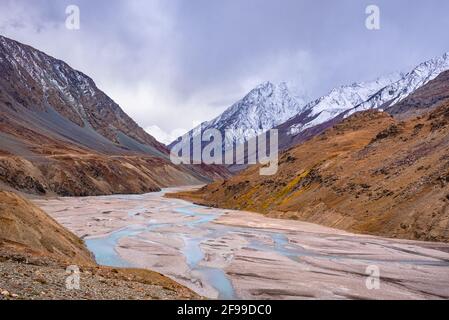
column 262, row 109
column 54, row 88
column 271, row 105
column 264, row 85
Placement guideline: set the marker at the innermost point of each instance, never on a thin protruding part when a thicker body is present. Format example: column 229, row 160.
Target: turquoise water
column 203, row 217
column 104, row 248
column 214, row 276
column 261, row 240
column 106, row 254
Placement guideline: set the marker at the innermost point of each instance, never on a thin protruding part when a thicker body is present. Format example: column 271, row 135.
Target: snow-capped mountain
column 273, row 106
column 51, row 88
column 337, row 101
column 265, row 107
column 410, row 82
column 344, row 101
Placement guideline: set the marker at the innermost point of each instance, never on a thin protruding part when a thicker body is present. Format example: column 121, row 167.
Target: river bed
column 229, row 254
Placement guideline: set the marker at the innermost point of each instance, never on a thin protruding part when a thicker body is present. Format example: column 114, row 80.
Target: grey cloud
column 171, row 63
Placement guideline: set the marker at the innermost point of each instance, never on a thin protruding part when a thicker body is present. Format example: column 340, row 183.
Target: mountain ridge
column 312, row 122
column 319, row 114
column 62, row 87
column 62, row 135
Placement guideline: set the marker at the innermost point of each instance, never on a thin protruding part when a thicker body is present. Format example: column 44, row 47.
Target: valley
column 358, row 208
column 60, row 134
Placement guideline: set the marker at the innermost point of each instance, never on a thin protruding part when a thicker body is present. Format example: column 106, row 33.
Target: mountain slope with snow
column 265, row 107
column 410, row 82
column 51, row 89
column 344, row 101
column 337, row 101
column 272, row 106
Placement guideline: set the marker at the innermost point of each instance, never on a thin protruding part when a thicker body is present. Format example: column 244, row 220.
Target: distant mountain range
column 60, row 134
column 336, row 102
column 269, row 106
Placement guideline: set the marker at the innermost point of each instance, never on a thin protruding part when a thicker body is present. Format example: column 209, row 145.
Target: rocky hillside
column 31, row 278
column 89, row 174
column 24, row 227
column 369, row 174
column 60, row 134
column 35, row 251
column 52, row 92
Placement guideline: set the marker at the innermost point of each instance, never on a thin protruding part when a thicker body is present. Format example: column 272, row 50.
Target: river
column 229, row 254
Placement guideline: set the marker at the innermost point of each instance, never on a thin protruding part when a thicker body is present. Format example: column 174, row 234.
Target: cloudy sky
column 171, row 64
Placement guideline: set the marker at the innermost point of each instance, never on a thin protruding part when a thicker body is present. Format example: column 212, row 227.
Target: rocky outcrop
column 39, row 278
column 90, row 175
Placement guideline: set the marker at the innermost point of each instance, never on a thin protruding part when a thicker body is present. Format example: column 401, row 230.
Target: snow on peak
column 53, row 76
column 381, row 93
column 51, row 73
column 410, row 82
column 339, row 100
column 263, row 108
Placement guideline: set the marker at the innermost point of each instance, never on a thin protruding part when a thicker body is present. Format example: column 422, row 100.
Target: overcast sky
column 171, row 64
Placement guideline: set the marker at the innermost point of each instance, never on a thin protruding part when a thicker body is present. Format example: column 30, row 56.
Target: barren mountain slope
column 369, row 174
column 60, row 134
column 44, row 92
column 24, row 227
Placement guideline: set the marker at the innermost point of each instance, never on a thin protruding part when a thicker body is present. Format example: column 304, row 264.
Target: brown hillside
column 24, row 227
column 35, row 251
column 369, row 174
